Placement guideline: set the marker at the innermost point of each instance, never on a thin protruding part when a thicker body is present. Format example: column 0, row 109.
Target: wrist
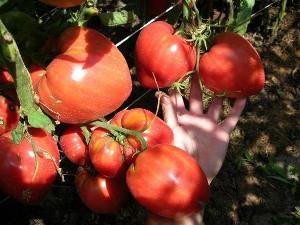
column 194, row 219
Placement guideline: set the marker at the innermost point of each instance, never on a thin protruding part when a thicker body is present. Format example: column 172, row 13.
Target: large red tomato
column 86, row 82
column 168, row 181
column 63, row 3
column 28, row 170
column 162, row 54
column 9, row 115
column 101, row 194
column 73, row 145
column 232, row 66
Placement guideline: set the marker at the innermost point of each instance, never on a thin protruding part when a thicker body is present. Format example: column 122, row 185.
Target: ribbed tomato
column 63, row 3
column 162, row 57
column 88, row 81
column 168, row 181
column 232, row 66
column 106, row 154
column 73, row 145
column 27, row 170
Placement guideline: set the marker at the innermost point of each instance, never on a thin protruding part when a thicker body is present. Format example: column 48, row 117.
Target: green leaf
column 38, row 119
column 2, row 2
column 18, row 133
column 15, row 64
column 117, row 18
column 243, row 16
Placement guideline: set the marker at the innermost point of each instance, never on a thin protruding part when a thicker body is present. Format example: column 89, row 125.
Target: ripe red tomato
column 73, row 145
column 27, row 171
column 232, row 66
column 9, row 116
column 168, row 181
column 82, row 85
column 106, row 154
column 63, row 3
column 101, row 194
column 153, row 129
column 162, row 54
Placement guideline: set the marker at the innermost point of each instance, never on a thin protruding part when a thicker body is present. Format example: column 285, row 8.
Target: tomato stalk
column 116, row 131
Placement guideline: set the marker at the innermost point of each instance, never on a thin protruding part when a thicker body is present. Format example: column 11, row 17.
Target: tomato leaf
column 15, row 64
column 2, row 2
column 117, row 18
column 38, row 119
column 243, row 16
column 18, row 133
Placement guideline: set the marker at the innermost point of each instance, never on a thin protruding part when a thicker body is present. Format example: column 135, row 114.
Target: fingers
column 169, row 112
column 230, row 122
column 215, row 109
column 196, row 106
column 177, row 101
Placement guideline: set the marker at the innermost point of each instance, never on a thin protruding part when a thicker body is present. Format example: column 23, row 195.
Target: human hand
column 201, row 134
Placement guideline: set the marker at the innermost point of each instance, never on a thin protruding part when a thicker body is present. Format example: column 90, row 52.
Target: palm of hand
column 199, row 133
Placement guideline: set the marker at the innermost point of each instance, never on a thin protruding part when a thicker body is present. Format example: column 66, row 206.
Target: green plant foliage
column 242, row 17
column 112, row 19
column 2, row 2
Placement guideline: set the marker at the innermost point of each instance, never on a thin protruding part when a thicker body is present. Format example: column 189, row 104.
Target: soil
column 259, row 182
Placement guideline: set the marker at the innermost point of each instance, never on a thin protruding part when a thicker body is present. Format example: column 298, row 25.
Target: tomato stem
column 115, row 130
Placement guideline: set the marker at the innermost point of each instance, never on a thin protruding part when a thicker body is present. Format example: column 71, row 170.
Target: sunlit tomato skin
column 85, row 39
column 9, row 115
column 27, row 173
column 153, row 129
column 168, row 181
column 232, row 67
column 101, row 194
column 82, row 86
column 106, row 154
column 162, row 57
column 63, row 3
column 73, row 145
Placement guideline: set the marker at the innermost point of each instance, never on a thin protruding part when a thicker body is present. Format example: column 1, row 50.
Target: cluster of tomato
column 133, row 152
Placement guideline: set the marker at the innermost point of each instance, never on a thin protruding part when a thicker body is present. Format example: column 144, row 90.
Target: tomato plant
column 101, row 194
column 73, row 145
column 92, row 70
column 162, row 57
column 63, row 3
column 232, row 66
column 27, row 170
column 9, row 116
column 168, row 181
